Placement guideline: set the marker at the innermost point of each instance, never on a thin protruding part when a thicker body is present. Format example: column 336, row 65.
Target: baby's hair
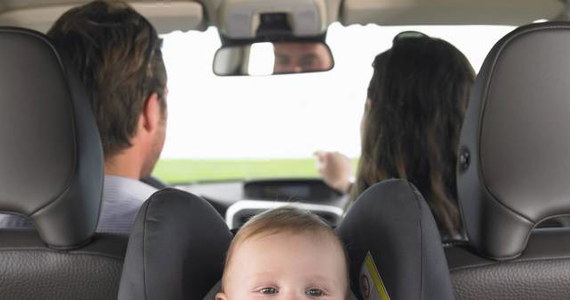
column 283, row 219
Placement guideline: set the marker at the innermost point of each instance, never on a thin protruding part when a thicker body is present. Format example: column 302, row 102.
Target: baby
column 285, row 253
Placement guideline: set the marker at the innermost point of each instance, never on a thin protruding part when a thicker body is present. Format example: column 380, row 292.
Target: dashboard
column 239, row 201
column 309, row 190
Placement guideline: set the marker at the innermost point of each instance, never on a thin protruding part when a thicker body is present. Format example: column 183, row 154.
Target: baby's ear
column 221, row 296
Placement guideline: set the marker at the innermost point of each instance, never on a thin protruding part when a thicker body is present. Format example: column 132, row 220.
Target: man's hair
column 418, row 93
column 116, row 53
column 284, row 219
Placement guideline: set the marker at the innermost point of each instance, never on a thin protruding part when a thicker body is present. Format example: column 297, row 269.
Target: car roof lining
column 448, row 12
column 165, row 16
column 186, row 15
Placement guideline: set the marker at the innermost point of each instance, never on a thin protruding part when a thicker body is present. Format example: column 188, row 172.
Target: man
column 301, row 57
column 117, row 54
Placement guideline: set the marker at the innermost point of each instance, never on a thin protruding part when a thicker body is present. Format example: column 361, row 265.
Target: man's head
column 285, row 253
column 117, row 54
column 301, row 57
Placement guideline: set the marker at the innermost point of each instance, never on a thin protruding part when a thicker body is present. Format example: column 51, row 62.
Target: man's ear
column 221, row 296
column 151, row 114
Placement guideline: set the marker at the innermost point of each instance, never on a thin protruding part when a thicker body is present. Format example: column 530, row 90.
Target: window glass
column 226, row 128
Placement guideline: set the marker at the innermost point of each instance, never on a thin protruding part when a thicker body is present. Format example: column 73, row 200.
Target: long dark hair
column 417, row 99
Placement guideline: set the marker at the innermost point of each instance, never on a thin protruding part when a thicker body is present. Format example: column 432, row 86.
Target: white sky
column 285, row 116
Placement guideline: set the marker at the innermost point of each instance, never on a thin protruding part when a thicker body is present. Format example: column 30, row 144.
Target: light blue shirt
column 122, row 198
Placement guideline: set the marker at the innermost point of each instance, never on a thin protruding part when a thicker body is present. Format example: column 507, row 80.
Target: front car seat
column 51, row 171
column 513, row 170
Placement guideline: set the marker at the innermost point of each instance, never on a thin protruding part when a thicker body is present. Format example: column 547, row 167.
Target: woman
column 417, row 98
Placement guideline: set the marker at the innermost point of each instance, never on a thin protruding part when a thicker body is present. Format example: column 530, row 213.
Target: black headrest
column 515, row 142
column 393, row 223
column 51, row 162
column 176, row 250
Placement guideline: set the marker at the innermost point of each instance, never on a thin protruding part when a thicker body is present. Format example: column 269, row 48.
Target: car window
column 235, row 128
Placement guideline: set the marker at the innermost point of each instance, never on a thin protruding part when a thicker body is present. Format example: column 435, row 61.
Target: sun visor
column 240, row 19
column 166, row 16
column 447, row 12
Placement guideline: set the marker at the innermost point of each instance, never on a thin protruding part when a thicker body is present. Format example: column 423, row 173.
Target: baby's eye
column 268, row 291
column 314, row 292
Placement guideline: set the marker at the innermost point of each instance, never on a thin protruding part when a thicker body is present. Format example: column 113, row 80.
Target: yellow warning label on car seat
column 371, row 285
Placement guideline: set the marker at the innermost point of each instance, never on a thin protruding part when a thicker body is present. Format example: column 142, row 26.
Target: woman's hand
column 336, row 170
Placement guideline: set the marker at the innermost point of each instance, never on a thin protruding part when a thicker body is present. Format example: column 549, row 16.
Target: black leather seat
column 393, row 223
column 513, row 171
column 51, row 171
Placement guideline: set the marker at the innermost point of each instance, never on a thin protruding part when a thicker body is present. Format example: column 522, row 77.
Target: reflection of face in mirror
column 301, row 57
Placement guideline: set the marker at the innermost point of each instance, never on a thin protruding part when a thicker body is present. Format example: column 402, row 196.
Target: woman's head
column 417, row 98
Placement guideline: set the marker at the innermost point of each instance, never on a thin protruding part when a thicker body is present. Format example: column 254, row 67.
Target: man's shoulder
column 15, row 221
column 117, row 188
column 122, row 198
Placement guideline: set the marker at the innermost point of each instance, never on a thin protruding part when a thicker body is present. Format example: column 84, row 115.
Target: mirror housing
column 269, row 58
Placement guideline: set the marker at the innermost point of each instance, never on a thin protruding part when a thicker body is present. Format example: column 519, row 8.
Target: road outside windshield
column 235, row 128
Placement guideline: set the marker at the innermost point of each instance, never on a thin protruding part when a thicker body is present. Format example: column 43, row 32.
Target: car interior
column 511, row 171
column 58, row 188
column 507, row 182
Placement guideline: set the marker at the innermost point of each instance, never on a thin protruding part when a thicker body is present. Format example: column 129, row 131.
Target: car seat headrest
column 514, row 145
column 51, row 162
column 394, row 245
column 176, row 249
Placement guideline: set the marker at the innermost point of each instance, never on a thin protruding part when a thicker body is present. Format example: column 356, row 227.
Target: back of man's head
column 117, row 55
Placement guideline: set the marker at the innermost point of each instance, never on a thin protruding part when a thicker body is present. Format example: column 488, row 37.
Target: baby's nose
column 291, row 295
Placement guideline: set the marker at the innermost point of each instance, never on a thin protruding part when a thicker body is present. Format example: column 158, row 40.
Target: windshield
column 236, row 128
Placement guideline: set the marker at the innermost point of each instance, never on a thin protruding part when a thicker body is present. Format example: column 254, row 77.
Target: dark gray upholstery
column 392, row 221
column 513, row 171
column 51, row 171
column 51, row 162
column 32, row 271
column 541, row 272
column 176, row 250
column 516, row 139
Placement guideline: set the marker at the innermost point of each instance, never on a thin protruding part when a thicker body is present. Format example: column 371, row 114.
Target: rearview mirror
column 273, row 58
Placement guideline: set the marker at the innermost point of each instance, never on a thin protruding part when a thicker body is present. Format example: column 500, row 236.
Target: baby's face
column 286, row 266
